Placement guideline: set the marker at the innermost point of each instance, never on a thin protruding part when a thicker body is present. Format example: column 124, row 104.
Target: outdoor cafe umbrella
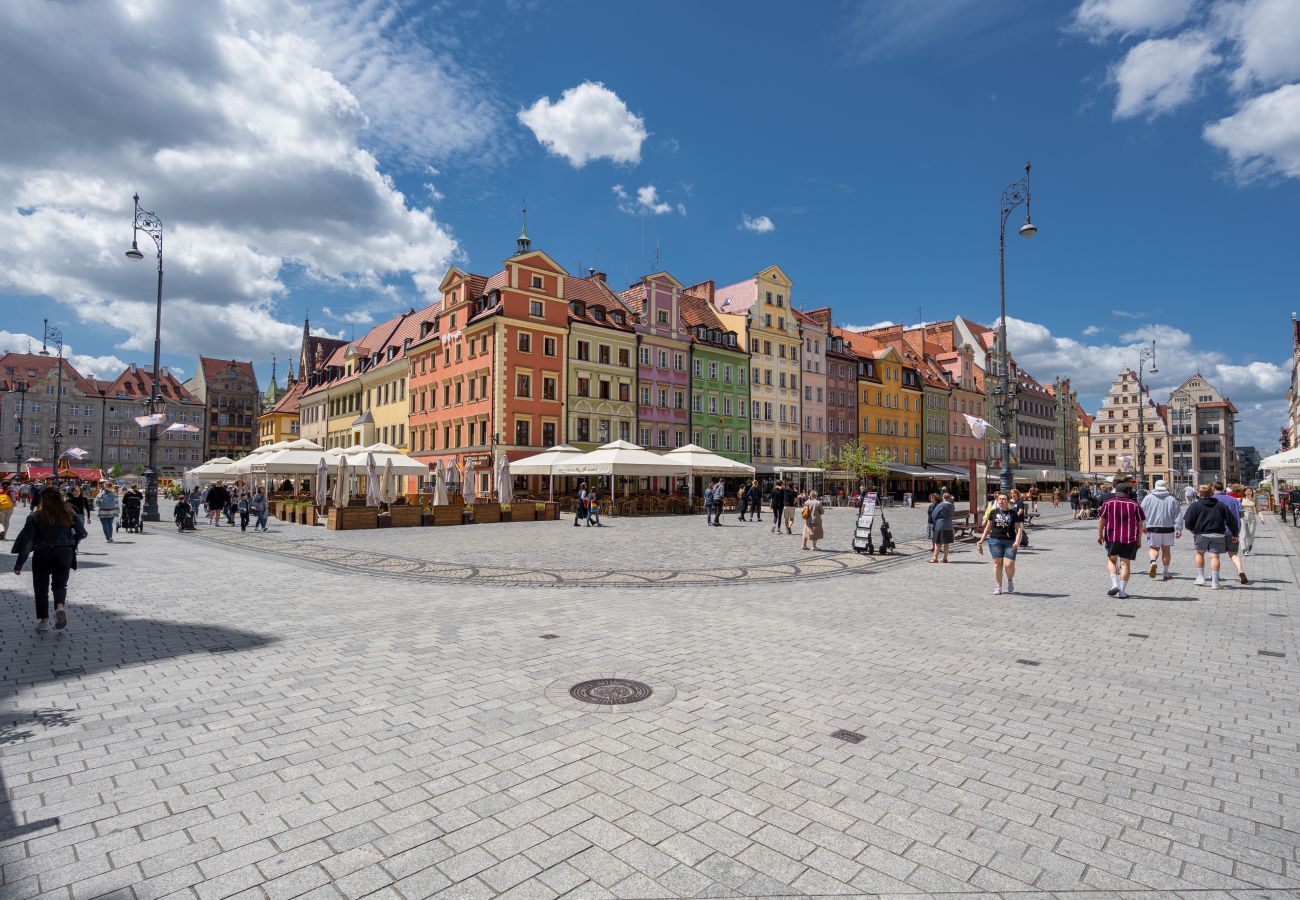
column 505, row 484
column 440, row 484
column 341, row 483
column 322, row 482
column 386, row 484
column 372, row 481
column 544, row 463
column 469, row 491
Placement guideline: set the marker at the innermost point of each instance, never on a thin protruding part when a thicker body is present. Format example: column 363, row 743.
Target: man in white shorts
column 1163, row 526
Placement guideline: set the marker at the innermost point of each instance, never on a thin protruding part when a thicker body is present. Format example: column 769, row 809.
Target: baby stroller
column 131, row 518
column 184, row 515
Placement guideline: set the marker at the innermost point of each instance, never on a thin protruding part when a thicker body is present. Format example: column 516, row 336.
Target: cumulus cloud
column 350, row 316
column 1091, row 330
column 587, row 122
column 1263, row 136
column 885, row 324
column 90, row 365
column 1267, row 35
column 1106, row 18
column 758, row 224
column 646, row 202
column 1160, row 75
column 248, row 128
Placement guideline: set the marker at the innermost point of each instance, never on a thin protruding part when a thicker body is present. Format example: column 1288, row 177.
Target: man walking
column 1294, row 500
column 1208, row 520
column 1161, row 510
column 778, row 505
column 1232, row 545
column 1119, row 530
column 713, row 503
column 218, row 497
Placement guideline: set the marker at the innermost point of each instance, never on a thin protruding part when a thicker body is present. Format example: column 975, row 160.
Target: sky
column 333, row 159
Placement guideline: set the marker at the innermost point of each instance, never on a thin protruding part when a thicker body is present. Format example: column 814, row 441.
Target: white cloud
column 240, row 134
column 1159, row 75
column 1127, row 314
column 1263, row 136
column 885, row 324
column 648, row 198
column 1107, row 18
column 91, row 366
column 646, row 202
column 759, row 224
column 352, row 317
column 1267, row 35
column 1091, row 330
column 587, row 122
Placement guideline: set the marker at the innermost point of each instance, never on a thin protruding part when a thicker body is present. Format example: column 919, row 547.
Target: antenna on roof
column 655, row 267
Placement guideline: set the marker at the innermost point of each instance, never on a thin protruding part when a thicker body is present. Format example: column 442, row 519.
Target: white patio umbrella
column 386, row 482
column 621, row 458
column 440, row 484
column 372, row 481
column 341, row 483
column 322, row 482
column 218, row 467
column 699, row 461
column 505, row 481
column 470, row 489
column 544, row 463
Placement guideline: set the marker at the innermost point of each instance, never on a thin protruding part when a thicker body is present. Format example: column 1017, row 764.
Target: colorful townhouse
column 423, row 359
column 841, row 387
column 966, row 398
column 759, row 308
column 228, row 390
column 600, row 401
column 813, row 380
column 663, row 355
column 719, row 385
column 890, row 399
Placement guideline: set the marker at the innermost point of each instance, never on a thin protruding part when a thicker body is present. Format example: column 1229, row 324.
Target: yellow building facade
column 890, row 404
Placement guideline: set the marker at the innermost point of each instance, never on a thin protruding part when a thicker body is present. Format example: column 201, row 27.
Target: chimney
column 600, row 275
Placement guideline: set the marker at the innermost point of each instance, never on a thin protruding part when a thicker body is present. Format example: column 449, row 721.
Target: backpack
column 6, row 502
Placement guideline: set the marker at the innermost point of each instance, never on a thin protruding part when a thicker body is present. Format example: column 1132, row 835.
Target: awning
column 36, row 473
column 770, row 469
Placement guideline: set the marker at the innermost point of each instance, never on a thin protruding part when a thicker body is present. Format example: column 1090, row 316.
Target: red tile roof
column 212, row 368
column 290, row 402
column 593, row 293
column 44, row 365
column 137, row 381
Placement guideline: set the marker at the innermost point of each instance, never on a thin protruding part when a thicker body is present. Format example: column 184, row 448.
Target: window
column 584, row 387
column 584, row 429
column 713, row 370
column 663, row 398
column 696, row 401
column 624, row 391
column 624, row 357
column 744, row 443
column 645, row 437
column 726, row 405
column 643, row 356
column 535, row 308
column 662, row 317
column 548, row 434
column 602, row 354
column 548, row 349
column 679, row 400
column 699, row 368
column 548, row 390
column 726, row 373
column 525, row 342
column 584, row 350
column 536, row 281
column 663, row 359
column 679, row 362
column 522, row 429
column 604, row 389
column 713, row 405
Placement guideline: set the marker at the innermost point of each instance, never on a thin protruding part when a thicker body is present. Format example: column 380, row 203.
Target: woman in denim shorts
column 1004, row 530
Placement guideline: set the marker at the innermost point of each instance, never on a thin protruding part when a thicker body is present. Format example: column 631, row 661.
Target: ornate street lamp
column 1014, row 195
column 151, row 225
column 1143, row 355
column 20, row 388
column 53, row 335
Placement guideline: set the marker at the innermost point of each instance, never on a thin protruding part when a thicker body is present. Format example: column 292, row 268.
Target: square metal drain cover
column 851, row 737
column 1274, row 653
column 1029, row 662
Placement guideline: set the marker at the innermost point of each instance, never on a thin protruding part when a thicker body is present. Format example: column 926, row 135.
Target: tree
column 114, row 471
column 867, row 465
column 139, row 469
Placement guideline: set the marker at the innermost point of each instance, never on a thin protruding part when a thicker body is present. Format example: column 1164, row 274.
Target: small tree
column 114, row 471
column 878, row 465
column 139, row 469
column 866, row 465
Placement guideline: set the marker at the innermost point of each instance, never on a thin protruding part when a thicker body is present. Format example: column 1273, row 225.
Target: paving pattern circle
column 611, row 691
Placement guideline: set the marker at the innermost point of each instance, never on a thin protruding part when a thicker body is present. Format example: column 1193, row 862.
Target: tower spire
column 522, row 243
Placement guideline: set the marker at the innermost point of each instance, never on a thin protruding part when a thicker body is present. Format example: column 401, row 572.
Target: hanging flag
column 977, row 425
column 182, row 427
column 147, row 421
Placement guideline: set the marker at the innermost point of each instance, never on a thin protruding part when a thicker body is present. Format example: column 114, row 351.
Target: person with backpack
column 107, row 508
column 49, row 538
column 8, row 500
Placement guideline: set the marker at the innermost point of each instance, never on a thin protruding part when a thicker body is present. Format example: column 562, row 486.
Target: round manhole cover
column 610, row 691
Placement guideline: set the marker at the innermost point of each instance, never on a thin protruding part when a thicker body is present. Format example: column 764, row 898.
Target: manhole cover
column 610, row 691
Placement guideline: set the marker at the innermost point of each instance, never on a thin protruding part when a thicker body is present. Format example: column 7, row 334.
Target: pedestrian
column 258, row 506
column 217, row 498
column 940, row 515
column 1085, row 501
column 929, row 524
column 580, row 512
column 232, row 504
column 812, row 520
column 1293, row 499
column 755, row 501
column 719, row 495
column 792, row 502
column 1119, row 530
column 1249, row 520
column 1232, row 543
column 1003, row 529
column 196, row 501
column 1018, row 502
column 49, row 537
column 593, row 508
column 1161, row 509
column 742, row 501
column 107, row 507
column 1056, row 498
column 245, row 510
column 1189, row 494
column 1034, row 495
column 778, row 506
column 1208, row 520
column 80, row 503
column 8, row 499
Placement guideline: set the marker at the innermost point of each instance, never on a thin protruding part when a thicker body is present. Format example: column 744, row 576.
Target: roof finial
column 522, row 243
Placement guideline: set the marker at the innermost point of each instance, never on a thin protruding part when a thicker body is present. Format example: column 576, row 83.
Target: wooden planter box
column 447, row 515
column 347, row 518
column 550, row 512
column 486, row 513
column 521, row 512
column 277, row 509
column 405, row 516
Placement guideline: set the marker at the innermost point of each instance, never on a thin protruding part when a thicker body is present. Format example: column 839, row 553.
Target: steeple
column 273, row 390
column 289, row 380
column 522, row 243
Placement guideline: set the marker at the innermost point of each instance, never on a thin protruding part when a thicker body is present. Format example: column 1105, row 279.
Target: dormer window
column 598, row 314
column 578, row 308
column 618, row 318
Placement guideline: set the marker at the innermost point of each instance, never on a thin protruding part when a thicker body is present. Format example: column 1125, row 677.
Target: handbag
column 806, row 513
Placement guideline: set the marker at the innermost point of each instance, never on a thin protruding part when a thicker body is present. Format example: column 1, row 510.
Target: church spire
column 522, row 243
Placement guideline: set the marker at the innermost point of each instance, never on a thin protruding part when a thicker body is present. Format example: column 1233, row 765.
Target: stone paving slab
column 232, row 723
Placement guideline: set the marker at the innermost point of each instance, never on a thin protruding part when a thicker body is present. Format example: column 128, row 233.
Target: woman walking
column 1249, row 519
column 941, row 529
column 257, row 505
column 1004, row 528
column 106, row 508
column 50, row 537
column 80, row 503
column 929, row 525
column 812, row 520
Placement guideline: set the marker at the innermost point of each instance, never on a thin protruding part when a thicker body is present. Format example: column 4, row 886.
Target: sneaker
column 1011, row 586
column 1168, row 577
column 1200, row 582
column 42, row 627
column 1113, row 592
column 60, row 619
column 1242, row 577
column 1152, row 570
column 1216, row 586
column 997, row 591
column 1122, row 596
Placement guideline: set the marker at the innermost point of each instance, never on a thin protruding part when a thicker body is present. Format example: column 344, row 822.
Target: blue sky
column 337, row 160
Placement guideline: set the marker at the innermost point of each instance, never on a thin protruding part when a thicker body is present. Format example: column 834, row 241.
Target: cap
column 1160, row 483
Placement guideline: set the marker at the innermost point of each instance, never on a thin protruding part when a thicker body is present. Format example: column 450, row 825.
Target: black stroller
column 132, row 521
column 184, row 515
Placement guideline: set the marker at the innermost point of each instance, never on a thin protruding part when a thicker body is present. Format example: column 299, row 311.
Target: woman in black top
column 50, row 537
column 83, row 505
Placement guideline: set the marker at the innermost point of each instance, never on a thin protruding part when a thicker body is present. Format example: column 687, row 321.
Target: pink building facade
column 663, row 362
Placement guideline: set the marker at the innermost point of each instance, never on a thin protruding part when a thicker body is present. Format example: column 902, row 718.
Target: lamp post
column 1143, row 355
column 20, row 388
column 1013, row 196
column 55, row 336
column 151, row 225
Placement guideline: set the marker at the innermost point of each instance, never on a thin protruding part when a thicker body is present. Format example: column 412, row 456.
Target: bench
column 962, row 527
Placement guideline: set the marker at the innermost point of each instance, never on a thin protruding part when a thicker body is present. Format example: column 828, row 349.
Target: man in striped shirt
column 1119, row 529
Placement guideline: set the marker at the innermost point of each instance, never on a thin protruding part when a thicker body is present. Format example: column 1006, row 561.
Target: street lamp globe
column 1028, row 230
column 134, row 253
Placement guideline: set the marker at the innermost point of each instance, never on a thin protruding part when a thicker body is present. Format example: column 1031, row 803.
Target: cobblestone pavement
column 221, row 723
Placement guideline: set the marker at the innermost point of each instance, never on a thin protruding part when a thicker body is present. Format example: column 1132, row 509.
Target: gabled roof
column 696, row 312
column 289, row 402
column 736, row 298
column 136, row 382
column 594, row 294
column 42, row 366
column 377, row 339
column 214, row 368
